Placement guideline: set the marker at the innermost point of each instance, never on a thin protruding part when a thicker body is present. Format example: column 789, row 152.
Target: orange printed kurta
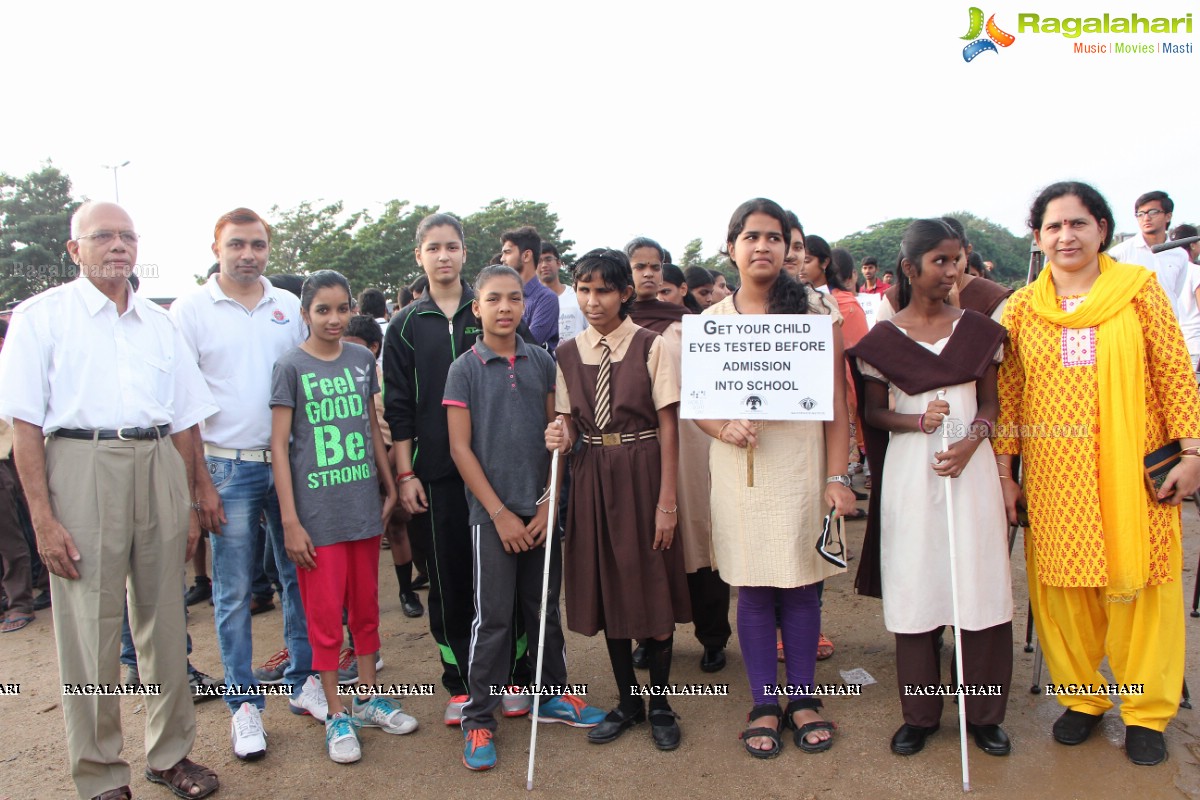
column 1050, row 416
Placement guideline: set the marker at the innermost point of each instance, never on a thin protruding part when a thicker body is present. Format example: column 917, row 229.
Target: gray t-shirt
column 507, row 401
column 334, row 476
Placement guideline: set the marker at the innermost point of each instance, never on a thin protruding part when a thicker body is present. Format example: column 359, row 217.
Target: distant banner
column 870, row 307
column 758, row 366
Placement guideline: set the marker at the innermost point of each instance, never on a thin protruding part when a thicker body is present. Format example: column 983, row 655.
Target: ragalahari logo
column 995, row 36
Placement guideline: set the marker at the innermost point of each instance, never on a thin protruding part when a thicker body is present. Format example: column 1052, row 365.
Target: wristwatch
column 844, row 480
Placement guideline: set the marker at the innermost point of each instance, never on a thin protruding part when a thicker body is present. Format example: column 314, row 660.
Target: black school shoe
column 713, row 659
column 664, row 730
column 991, row 739
column 640, row 659
column 1144, row 746
column 910, row 739
column 1074, row 727
column 410, row 604
column 616, row 723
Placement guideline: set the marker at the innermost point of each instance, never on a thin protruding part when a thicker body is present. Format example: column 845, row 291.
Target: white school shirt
column 236, row 350
column 1170, row 266
column 70, row 361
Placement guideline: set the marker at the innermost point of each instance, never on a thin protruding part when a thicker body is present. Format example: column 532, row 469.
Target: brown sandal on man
column 120, row 793
column 187, row 779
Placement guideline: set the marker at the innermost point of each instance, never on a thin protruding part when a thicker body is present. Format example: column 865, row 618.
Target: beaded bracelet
column 665, row 511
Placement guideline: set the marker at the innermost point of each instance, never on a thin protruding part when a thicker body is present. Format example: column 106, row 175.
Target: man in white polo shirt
column 1153, row 211
column 237, row 325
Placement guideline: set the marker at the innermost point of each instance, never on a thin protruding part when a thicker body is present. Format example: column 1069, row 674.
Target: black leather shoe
column 420, row 582
column 1074, row 727
column 664, row 730
column 410, row 604
column 616, row 723
column 42, row 601
column 991, row 739
column 201, row 591
column 910, row 739
column 713, row 659
column 1144, row 746
column 640, row 660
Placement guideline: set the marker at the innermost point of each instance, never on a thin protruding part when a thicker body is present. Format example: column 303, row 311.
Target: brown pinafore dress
column 615, row 581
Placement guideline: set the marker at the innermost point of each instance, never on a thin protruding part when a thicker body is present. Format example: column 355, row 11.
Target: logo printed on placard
column 808, row 404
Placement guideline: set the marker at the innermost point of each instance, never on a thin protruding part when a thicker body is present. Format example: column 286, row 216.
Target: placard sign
column 757, row 366
column 870, row 307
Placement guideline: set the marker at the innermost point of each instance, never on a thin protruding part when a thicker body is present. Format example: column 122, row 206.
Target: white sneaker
column 384, row 713
column 454, row 709
column 516, row 703
column 311, row 699
column 341, row 738
column 247, row 734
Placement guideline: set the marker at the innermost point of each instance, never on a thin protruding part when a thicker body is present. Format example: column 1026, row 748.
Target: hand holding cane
column 962, row 705
column 552, row 500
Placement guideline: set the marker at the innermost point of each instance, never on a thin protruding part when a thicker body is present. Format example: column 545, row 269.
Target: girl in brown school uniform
column 618, row 393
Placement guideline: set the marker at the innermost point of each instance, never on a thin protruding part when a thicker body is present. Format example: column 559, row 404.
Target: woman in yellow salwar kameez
column 1096, row 375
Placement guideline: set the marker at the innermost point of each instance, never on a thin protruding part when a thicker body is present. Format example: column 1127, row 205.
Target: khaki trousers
column 126, row 505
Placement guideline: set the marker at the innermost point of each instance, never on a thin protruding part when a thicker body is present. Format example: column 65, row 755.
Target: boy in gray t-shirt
column 499, row 397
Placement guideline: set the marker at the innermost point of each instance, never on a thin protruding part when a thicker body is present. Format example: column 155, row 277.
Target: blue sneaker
column 478, row 751
column 569, row 709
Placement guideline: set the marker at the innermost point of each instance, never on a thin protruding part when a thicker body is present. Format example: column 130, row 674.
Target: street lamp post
column 116, row 187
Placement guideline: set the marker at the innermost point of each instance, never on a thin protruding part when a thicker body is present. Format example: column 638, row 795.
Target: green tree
column 483, row 229
column 693, row 257
column 304, row 238
column 380, row 252
column 995, row 243
column 35, row 224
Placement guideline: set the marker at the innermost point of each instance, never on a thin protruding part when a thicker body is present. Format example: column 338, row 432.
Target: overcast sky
column 629, row 118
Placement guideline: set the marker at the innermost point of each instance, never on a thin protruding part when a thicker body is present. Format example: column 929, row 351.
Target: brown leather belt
column 617, row 439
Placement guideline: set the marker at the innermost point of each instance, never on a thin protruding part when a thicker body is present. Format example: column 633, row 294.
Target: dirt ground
column 710, row 763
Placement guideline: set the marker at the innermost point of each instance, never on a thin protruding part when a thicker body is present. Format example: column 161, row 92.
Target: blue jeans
column 265, row 575
column 129, row 654
column 247, row 490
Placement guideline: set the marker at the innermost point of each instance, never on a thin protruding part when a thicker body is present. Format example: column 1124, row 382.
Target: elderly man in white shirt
column 105, row 402
column 1153, row 211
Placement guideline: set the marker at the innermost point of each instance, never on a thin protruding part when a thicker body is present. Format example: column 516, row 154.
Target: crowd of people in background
column 279, row 431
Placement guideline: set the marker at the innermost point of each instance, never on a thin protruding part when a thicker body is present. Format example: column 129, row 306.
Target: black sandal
column 766, row 710
column 802, row 731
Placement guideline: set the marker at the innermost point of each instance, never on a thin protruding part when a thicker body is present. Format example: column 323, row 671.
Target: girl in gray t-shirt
column 329, row 463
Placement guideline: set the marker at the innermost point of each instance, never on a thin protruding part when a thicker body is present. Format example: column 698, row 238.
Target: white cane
column 552, row 501
column 962, row 704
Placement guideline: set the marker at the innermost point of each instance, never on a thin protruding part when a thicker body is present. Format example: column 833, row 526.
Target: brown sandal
column 187, row 779
column 120, row 793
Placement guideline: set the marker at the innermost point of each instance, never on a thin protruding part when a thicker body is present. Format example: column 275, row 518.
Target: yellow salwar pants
column 1144, row 641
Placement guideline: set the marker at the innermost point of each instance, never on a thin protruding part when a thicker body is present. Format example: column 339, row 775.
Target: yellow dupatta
column 1120, row 375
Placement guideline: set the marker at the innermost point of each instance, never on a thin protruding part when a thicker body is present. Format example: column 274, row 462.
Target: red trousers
column 346, row 577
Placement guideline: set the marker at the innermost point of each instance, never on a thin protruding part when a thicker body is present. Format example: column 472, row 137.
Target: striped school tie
column 603, row 387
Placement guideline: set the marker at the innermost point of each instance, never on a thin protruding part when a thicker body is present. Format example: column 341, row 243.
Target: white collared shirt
column 1170, row 265
column 70, row 361
column 236, row 350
